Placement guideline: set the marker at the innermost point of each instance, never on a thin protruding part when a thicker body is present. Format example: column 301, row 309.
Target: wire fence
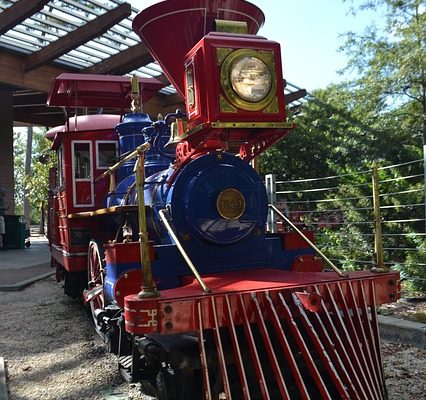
column 340, row 211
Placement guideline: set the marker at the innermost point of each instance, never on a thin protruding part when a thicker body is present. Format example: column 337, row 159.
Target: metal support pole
column 378, row 245
column 271, row 191
column 148, row 288
column 424, row 174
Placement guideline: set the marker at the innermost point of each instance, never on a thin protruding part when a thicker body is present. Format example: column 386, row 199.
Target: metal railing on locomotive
column 270, row 183
column 306, row 239
column 148, row 288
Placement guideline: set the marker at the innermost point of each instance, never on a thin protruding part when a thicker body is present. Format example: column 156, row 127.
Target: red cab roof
column 90, row 90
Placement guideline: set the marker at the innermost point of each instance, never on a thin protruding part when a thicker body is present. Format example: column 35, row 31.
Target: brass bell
column 177, row 129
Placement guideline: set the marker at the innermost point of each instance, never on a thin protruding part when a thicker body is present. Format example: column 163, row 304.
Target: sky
column 309, row 32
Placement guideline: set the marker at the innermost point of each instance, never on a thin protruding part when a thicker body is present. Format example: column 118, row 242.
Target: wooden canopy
column 39, row 40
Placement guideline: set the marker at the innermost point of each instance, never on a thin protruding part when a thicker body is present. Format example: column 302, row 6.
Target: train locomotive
column 160, row 226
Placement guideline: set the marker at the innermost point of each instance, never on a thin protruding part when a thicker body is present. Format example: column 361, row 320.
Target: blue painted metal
column 130, row 137
column 191, row 196
column 192, row 199
column 136, row 129
column 113, row 272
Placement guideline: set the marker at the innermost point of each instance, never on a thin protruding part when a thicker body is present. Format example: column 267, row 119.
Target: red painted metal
column 254, row 353
column 85, row 123
column 208, row 84
column 125, row 253
column 203, row 354
column 307, row 263
column 259, row 143
column 310, row 301
column 87, row 90
column 269, row 347
column 237, row 351
column 293, row 241
column 128, row 282
column 70, row 235
column 140, row 315
column 279, row 334
column 194, row 19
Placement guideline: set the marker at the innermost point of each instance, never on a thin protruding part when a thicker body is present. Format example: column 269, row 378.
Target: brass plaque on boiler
column 230, row 204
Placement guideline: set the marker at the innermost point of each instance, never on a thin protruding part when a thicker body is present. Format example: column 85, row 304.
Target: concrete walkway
column 21, row 267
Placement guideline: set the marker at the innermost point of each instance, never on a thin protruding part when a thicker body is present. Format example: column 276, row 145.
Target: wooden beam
column 33, row 109
column 40, row 79
column 173, row 100
column 163, row 78
column 123, row 62
column 293, row 96
column 19, row 12
column 79, row 36
column 29, row 99
column 48, row 120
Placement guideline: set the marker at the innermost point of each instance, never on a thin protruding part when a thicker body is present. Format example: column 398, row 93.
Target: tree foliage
column 36, row 184
column 392, row 63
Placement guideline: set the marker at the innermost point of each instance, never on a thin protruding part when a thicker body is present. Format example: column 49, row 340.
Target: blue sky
column 309, row 32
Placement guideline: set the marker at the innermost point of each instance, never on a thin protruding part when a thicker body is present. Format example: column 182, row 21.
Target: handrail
column 182, row 250
column 306, row 239
column 140, row 149
column 148, row 288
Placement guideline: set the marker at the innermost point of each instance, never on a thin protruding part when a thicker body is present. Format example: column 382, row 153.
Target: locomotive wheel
column 95, row 276
column 166, row 385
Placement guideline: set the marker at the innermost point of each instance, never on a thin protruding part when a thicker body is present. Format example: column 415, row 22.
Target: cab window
column 106, row 154
column 82, row 160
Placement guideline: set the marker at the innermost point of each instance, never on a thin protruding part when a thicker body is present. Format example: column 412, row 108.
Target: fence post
column 271, row 191
column 424, row 170
column 378, row 245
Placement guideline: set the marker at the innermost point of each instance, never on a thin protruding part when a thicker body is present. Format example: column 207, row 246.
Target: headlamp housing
column 248, row 78
column 234, row 80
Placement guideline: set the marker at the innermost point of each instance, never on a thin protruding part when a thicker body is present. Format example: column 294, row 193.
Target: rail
column 306, row 239
column 182, row 251
column 142, row 148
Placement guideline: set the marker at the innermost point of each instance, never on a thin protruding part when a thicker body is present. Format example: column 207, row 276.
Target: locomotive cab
column 86, row 147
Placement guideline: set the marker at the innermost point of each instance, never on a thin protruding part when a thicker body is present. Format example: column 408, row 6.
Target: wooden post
column 378, row 244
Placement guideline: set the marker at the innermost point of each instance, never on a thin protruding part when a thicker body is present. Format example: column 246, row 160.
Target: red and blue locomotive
column 161, row 226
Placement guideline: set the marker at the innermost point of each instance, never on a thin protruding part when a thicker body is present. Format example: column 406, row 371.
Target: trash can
column 15, row 232
column 21, row 232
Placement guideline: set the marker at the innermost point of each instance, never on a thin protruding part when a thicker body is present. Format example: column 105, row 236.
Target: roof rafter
column 79, row 36
column 19, row 12
column 54, row 119
column 293, row 96
column 171, row 100
column 29, row 99
column 122, row 62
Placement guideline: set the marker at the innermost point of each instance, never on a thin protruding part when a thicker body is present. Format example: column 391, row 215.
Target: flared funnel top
column 171, row 28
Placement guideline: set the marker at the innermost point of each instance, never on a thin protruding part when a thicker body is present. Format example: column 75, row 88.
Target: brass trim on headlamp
column 267, row 58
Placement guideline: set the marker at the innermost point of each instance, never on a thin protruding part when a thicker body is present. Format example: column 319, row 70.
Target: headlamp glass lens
column 250, row 79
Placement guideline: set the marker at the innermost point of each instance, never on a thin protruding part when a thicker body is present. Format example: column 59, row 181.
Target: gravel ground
column 52, row 353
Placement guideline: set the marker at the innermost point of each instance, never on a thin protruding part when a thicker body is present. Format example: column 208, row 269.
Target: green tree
column 391, row 64
column 37, row 182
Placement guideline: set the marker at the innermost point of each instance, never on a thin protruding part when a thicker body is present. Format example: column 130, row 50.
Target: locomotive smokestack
column 171, row 28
